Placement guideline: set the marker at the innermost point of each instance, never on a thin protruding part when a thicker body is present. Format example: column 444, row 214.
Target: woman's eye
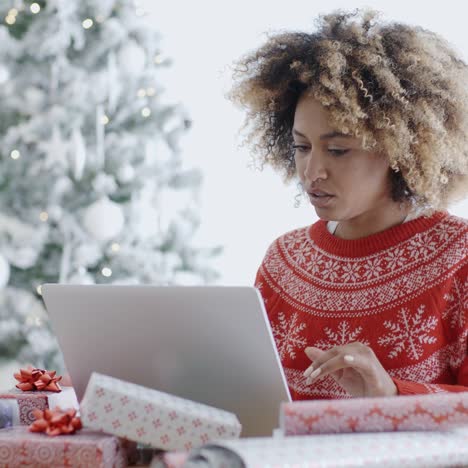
column 337, row 152
column 300, row 148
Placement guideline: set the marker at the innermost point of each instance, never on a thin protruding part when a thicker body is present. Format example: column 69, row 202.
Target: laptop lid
column 211, row 344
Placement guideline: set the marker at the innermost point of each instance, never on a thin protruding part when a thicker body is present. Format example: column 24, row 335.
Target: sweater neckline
column 379, row 241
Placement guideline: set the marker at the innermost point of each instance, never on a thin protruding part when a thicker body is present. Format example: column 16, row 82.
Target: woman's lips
column 320, row 199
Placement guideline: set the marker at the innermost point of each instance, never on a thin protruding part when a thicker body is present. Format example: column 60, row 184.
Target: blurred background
column 121, row 158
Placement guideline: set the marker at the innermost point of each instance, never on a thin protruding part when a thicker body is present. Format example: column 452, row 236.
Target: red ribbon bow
column 37, row 379
column 55, row 422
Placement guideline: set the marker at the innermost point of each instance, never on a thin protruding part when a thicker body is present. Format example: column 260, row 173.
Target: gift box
column 9, row 413
column 29, row 401
column 375, row 450
column 152, row 417
column 86, row 449
column 383, row 414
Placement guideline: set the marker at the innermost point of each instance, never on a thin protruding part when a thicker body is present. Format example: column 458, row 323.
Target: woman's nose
column 315, row 168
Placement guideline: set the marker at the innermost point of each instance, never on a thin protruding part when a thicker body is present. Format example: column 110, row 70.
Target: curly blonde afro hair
column 400, row 88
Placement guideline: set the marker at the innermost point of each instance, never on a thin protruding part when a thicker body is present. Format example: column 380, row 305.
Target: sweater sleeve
column 405, row 387
column 269, row 296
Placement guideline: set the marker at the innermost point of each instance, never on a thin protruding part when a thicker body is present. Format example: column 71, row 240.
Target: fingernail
column 348, row 358
column 314, row 374
column 308, row 371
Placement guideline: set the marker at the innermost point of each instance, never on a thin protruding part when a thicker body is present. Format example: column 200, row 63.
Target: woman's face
column 342, row 180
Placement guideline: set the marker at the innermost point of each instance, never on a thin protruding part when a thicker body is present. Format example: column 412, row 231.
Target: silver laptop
column 211, row 344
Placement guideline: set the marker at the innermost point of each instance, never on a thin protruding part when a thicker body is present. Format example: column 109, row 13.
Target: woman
column 371, row 300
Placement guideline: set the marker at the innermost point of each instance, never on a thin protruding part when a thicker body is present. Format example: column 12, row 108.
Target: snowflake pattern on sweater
column 402, row 292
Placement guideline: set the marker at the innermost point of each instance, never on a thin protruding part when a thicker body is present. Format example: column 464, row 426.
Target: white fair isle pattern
column 411, row 268
column 343, row 335
column 323, row 388
column 389, row 450
column 457, row 304
column 151, row 417
column 409, row 333
column 287, row 335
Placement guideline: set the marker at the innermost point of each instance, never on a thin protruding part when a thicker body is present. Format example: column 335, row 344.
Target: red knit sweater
column 403, row 292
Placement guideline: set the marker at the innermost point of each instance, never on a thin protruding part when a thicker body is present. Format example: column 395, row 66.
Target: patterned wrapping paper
column 85, row 449
column 384, row 414
column 390, row 450
column 29, row 401
column 151, row 417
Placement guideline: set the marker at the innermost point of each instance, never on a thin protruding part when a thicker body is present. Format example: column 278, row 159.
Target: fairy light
column 115, row 247
column 39, row 290
column 10, row 19
column 107, row 272
column 158, row 59
column 99, row 18
column 87, row 23
column 13, row 12
column 104, row 120
column 35, row 8
column 150, row 91
column 44, row 216
column 146, row 112
column 15, row 154
column 141, row 93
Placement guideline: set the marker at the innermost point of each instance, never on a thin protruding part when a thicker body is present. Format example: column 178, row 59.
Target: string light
column 15, row 154
column 107, row 272
column 10, row 19
column 44, row 216
column 115, row 247
column 39, row 290
column 146, row 112
column 99, row 18
column 104, row 120
column 13, row 12
column 158, row 59
column 150, row 91
column 141, row 93
column 87, row 23
column 35, row 8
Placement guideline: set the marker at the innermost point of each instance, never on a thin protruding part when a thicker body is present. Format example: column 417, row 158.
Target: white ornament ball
column 104, row 219
column 55, row 213
column 87, row 254
column 24, row 258
column 132, row 58
column 4, row 74
column 126, row 174
column 4, row 271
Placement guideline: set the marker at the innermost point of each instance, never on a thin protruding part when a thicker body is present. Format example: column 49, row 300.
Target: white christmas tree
column 92, row 185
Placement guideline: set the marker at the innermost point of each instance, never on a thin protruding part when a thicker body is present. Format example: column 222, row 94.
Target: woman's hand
column 354, row 366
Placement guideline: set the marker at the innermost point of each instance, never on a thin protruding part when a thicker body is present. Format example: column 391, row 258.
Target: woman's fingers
column 332, row 365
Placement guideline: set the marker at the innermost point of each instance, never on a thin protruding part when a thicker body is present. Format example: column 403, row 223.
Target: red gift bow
column 55, row 422
column 38, row 379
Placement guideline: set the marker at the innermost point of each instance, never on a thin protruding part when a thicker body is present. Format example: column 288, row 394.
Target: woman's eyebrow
column 325, row 136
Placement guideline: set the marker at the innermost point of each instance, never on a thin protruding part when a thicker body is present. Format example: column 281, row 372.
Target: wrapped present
column 85, row 449
column 390, row 450
column 383, row 414
column 169, row 460
column 152, row 417
column 9, row 413
column 30, row 400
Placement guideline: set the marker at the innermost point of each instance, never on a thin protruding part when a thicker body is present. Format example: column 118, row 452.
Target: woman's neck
column 371, row 223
